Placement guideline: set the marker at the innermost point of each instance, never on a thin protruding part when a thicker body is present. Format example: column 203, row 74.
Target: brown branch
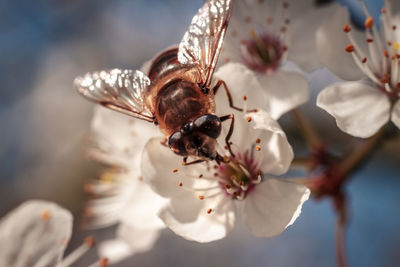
column 340, row 230
column 308, row 132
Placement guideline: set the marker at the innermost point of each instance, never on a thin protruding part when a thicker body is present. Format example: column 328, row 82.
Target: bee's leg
column 228, row 94
column 185, row 163
column 228, row 136
column 220, row 159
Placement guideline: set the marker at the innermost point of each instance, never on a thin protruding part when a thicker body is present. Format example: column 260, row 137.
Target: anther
column 283, row 29
column 258, row 140
column 89, row 241
column 364, row 60
column 103, row 262
column 228, row 186
column 389, row 43
column 180, row 184
column 349, row 48
column 287, row 21
column 398, row 85
column 369, row 22
column 201, row 175
column 383, row 10
column 385, row 53
column 394, row 27
column 244, row 97
column 227, row 60
column 175, row 170
column 346, row 28
column 258, row 148
column 384, row 80
column 45, row 215
column 209, row 211
column 201, row 197
column 248, row 119
column 370, row 40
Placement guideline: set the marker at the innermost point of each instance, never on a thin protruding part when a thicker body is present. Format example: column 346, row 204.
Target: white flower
column 366, row 103
column 120, row 195
column 36, row 234
column 263, row 36
column 202, row 197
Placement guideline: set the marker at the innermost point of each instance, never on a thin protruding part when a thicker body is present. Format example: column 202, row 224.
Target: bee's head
column 197, row 138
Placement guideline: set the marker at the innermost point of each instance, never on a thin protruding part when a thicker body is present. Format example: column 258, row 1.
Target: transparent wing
column 121, row 90
column 203, row 40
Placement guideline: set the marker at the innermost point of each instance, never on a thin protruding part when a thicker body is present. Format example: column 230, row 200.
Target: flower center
column 239, row 176
column 381, row 63
column 263, row 51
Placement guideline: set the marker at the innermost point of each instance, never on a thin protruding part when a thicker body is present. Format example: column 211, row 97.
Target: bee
column 176, row 94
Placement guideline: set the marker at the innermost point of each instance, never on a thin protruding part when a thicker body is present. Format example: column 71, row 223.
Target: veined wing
column 121, row 90
column 203, row 40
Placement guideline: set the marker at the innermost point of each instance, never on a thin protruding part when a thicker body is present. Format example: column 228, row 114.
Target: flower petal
column 331, row 42
column 273, row 206
column 284, row 91
column 276, row 93
column 190, row 196
column 200, row 220
column 359, row 108
column 129, row 241
column 141, row 209
column 115, row 250
column 240, row 81
column 163, row 170
column 34, row 234
column 275, row 153
column 122, row 146
column 305, row 21
column 396, row 114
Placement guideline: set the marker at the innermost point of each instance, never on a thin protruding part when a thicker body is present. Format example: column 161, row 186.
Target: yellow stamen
column 396, row 47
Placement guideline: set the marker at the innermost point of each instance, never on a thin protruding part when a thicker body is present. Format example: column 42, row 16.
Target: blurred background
column 45, row 44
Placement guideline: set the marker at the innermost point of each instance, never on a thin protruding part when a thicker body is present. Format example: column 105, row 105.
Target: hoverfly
column 176, row 94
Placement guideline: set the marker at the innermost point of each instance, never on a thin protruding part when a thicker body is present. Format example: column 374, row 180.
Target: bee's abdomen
column 178, row 102
column 164, row 63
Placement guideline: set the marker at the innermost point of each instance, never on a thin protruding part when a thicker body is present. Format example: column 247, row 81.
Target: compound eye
column 176, row 144
column 209, row 125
